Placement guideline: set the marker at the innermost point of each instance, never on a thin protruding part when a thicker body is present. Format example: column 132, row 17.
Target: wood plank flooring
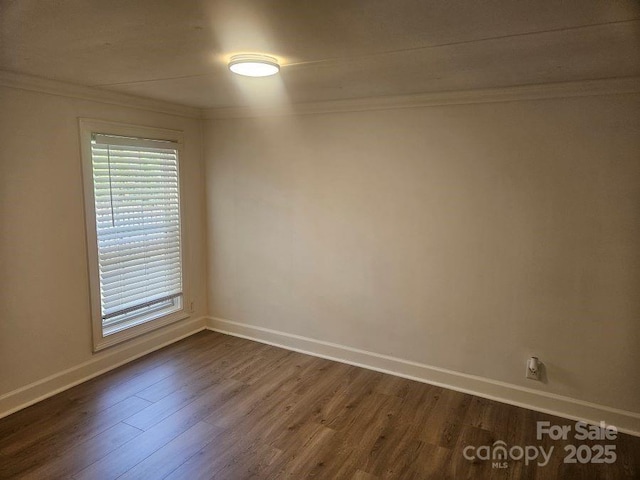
column 215, row 406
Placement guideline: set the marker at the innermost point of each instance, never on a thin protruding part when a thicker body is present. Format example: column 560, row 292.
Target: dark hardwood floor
column 214, row 406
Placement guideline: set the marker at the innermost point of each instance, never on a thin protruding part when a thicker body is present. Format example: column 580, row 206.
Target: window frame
column 88, row 127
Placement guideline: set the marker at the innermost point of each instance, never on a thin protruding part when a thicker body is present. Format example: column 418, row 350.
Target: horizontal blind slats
column 108, row 312
column 127, row 158
column 157, row 304
column 105, row 210
column 160, row 262
column 140, row 286
column 125, row 278
column 136, row 219
column 133, row 232
column 117, row 302
column 136, row 193
column 134, row 250
column 113, row 264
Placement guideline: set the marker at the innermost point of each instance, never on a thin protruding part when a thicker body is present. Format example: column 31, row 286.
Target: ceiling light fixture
column 254, row 65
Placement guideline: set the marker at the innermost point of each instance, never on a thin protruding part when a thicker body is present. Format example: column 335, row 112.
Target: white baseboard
column 625, row 421
column 34, row 392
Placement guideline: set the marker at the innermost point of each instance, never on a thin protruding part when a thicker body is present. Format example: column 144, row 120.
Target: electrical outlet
column 191, row 307
column 533, row 368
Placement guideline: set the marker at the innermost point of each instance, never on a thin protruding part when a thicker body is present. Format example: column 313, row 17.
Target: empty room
column 354, row 239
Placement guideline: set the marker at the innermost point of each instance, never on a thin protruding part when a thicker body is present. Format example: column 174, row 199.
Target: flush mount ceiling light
column 254, row 65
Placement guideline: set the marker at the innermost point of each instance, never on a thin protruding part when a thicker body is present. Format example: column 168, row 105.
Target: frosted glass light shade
column 254, row 65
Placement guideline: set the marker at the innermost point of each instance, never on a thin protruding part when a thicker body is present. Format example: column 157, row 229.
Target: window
column 134, row 229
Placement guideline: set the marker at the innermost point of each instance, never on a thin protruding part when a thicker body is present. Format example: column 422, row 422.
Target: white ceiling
column 177, row 50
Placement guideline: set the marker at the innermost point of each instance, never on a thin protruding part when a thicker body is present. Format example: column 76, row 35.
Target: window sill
column 137, row 330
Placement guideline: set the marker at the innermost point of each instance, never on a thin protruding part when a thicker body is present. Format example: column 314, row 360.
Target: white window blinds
column 137, row 203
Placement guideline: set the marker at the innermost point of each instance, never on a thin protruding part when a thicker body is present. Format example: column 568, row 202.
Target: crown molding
column 587, row 88
column 53, row 87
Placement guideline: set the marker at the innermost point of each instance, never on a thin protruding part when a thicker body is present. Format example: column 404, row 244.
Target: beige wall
column 465, row 237
column 45, row 323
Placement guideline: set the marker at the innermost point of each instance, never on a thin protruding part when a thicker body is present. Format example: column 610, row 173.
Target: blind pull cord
column 113, row 221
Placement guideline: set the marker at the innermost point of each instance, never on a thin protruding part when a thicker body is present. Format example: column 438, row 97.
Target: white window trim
column 87, row 128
